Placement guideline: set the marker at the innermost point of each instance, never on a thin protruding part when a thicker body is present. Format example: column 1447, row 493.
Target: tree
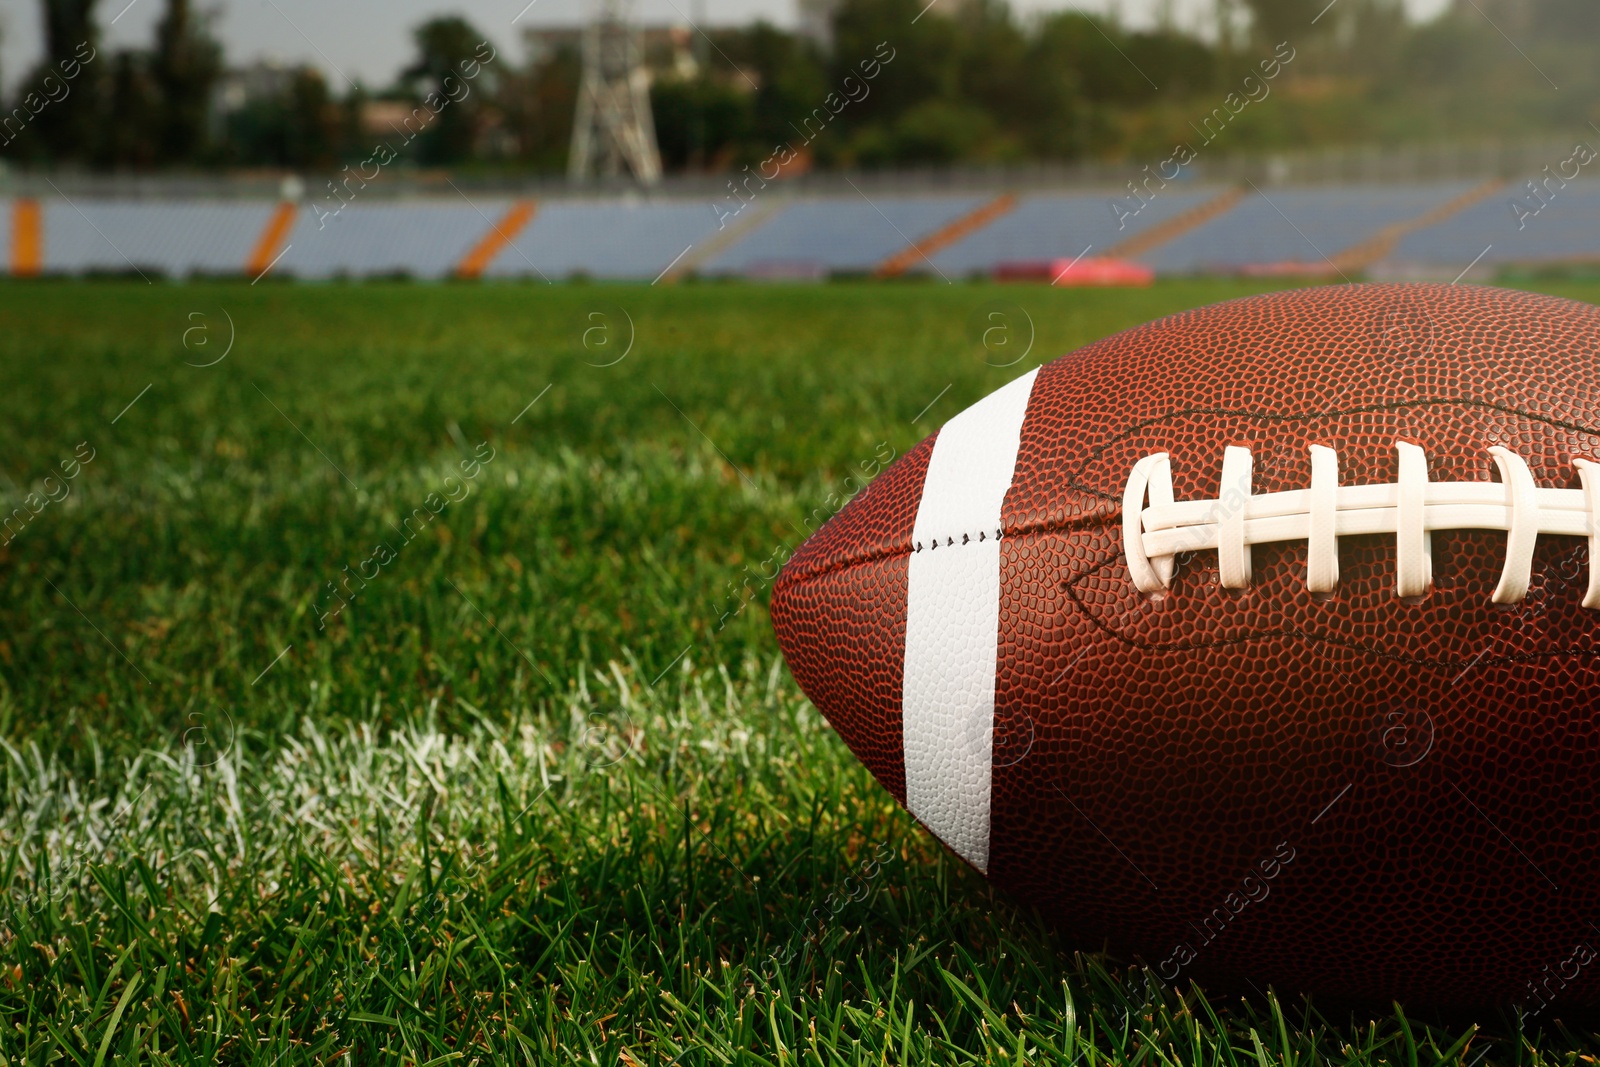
column 923, row 58
column 700, row 120
column 68, row 130
column 790, row 81
column 185, row 68
column 446, row 47
column 739, row 105
column 993, row 60
column 297, row 126
column 538, row 104
column 1284, row 20
column 133, row 113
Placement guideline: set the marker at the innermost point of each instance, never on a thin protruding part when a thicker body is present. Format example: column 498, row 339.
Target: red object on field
column 1076, row 272
column 1262, row 641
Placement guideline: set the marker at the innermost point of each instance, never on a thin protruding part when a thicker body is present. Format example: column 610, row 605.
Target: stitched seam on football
column 1073, row 481
column 803, row 572
column 1090, row 521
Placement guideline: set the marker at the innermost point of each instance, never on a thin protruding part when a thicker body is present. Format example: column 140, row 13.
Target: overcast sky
column 370, row 40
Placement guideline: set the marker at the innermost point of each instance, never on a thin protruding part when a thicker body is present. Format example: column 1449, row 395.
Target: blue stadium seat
column 605, row 238
column 157, row 238
column 845, row 234
column 1277, row 226
column 1062, row 226
column 1565, row 229
column 419, row 238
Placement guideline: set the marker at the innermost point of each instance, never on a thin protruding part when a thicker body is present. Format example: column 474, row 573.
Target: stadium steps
column 27, row 238
column 945, row 236
column 1177, row 226
column 499, row 237
column 819, row 236
column 1381, row 245
column 1564, row 232
column 722, row 240
column 1366, row 229
column 611, row 238
column 270, row 247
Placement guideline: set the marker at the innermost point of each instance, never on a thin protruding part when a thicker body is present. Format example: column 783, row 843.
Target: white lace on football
column 1409, row 509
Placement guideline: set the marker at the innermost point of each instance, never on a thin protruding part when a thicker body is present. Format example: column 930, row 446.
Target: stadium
column 973, row 226
column 412, row 409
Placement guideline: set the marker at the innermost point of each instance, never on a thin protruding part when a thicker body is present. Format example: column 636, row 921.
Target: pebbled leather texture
column 839, row 607
column 1345, row 793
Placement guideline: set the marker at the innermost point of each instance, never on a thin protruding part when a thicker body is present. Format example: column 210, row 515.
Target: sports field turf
column 535, row 786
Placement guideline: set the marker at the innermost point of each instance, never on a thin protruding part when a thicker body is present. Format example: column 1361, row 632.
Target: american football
column 800, row 532
column 1257, row 642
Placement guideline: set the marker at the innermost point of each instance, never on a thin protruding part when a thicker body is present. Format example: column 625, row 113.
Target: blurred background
column 288, row 84
column 798, row 139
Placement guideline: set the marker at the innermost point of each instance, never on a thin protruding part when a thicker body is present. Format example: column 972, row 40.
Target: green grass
column 542, row 790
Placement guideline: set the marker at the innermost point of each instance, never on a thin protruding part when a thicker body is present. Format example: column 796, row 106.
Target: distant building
column 380, row 117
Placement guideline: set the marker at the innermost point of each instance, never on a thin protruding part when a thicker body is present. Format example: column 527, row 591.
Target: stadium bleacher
column 1060, row 226
column 159, row 239
column 1189, row 230
column 605, row 239
column 420, row 239
column 1565, row 229
column 1289, row 228
column 839, row 234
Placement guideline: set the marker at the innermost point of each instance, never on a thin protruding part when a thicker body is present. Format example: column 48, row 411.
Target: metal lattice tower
column 613, row 129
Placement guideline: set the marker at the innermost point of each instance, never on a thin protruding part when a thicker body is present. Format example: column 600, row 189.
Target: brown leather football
column 1259, row 641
